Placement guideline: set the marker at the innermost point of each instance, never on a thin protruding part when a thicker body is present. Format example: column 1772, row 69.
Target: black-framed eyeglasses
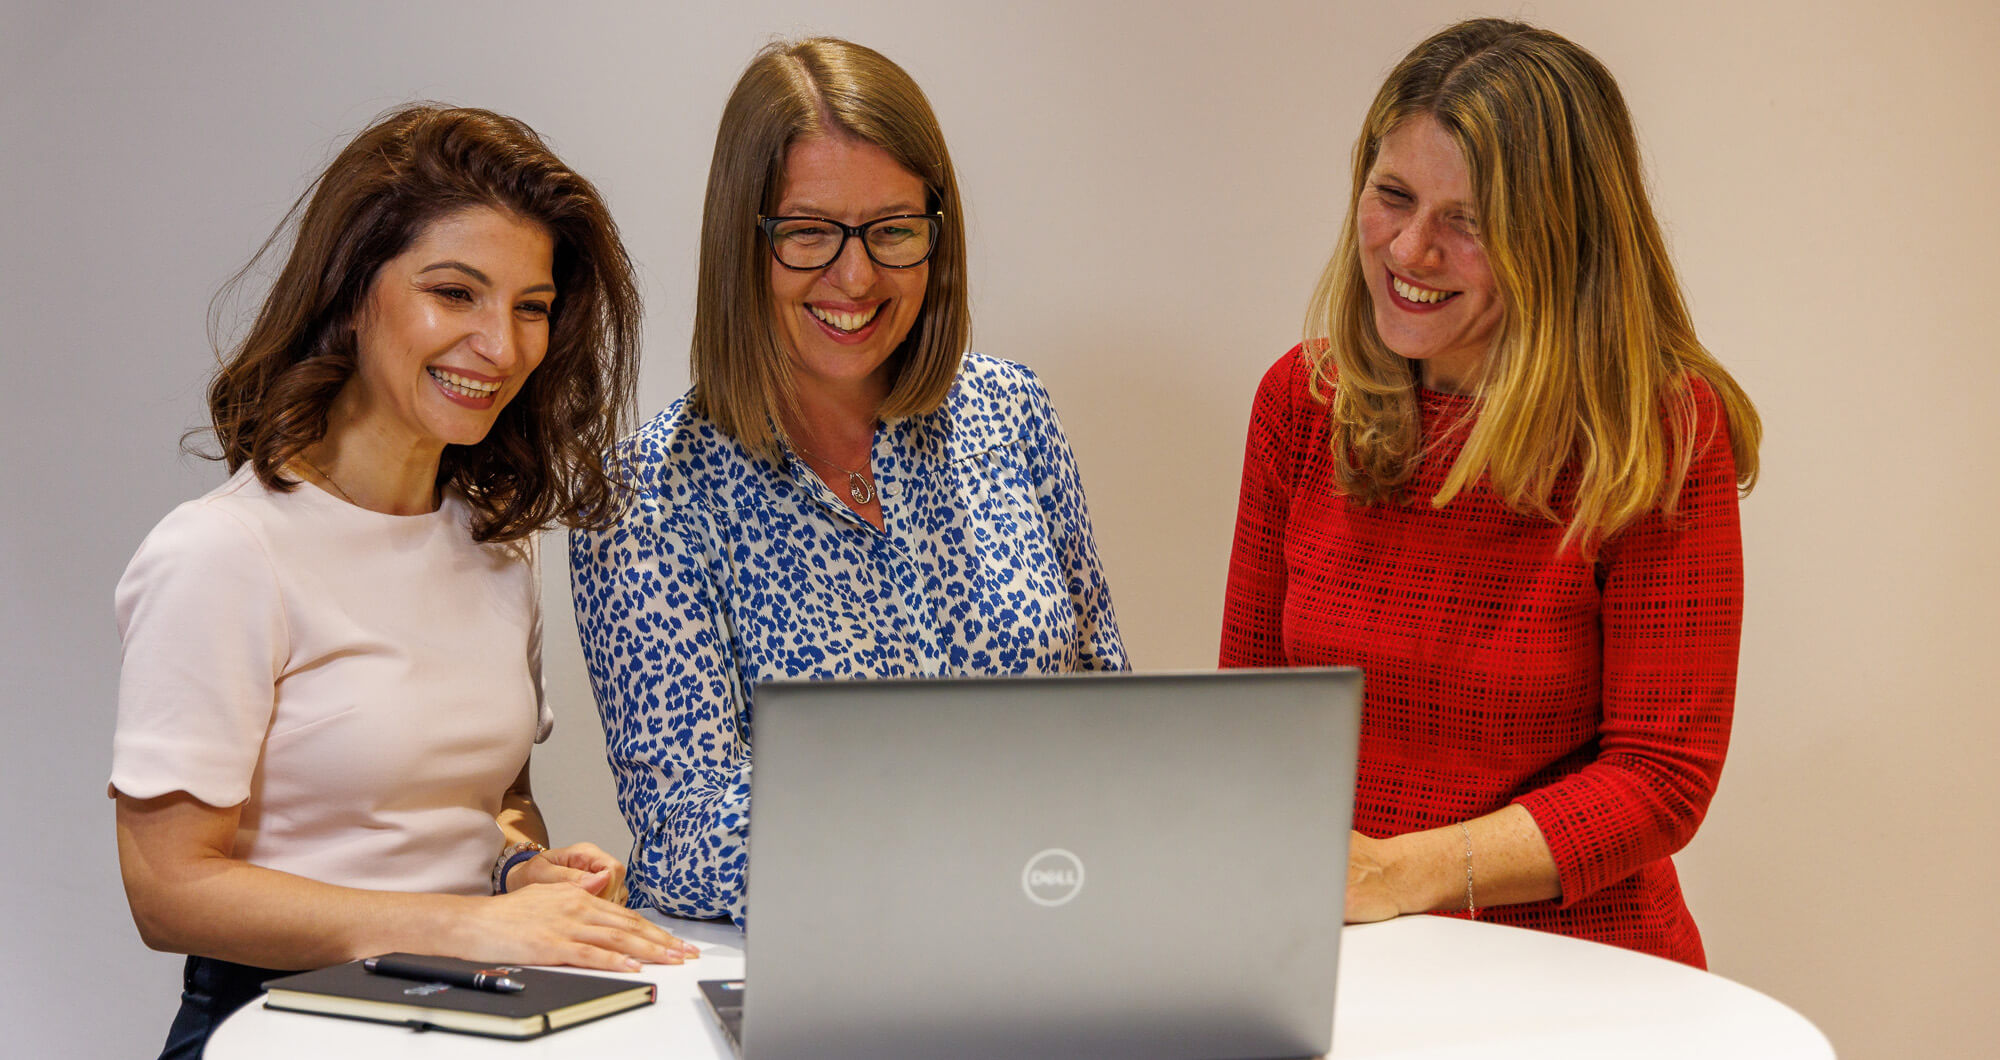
column 903, row 241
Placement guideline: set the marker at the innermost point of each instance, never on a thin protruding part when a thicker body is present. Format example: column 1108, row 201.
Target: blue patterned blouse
column 727, row 571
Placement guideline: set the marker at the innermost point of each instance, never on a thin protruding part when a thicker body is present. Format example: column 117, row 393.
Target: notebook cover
column 550, row 1001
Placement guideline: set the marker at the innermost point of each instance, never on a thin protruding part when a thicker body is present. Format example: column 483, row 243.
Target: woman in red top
column 1504, row 485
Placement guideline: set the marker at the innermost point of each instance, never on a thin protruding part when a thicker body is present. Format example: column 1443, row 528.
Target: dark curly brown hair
column 543, row 461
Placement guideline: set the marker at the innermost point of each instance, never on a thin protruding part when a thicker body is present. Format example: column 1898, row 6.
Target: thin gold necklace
column 329, row 480
column 858, row 487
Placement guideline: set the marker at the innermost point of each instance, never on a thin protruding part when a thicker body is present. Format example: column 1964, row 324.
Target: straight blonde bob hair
column 793, row 91
column 1590, row 365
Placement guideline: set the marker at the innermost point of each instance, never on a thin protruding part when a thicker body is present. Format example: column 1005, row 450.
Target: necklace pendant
column 859, row 488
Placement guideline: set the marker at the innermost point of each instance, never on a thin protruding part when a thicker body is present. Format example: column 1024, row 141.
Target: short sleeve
column 204, row 641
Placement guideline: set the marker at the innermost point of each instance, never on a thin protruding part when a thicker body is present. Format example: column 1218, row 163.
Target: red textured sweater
column 1596, row 695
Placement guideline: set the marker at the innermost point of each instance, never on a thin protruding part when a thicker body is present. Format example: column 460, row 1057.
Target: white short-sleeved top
column 366, row 686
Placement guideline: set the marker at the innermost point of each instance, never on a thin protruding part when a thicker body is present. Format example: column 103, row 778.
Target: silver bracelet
column 510, row 857
column 1471, row 911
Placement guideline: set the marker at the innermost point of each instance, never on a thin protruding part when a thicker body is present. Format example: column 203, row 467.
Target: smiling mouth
column 1420, row 295
column 463, row 385
column 844, row 321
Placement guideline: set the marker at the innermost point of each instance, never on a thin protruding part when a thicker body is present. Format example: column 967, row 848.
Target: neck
column 374, row 471
column 1446, row 376
column 837, row 427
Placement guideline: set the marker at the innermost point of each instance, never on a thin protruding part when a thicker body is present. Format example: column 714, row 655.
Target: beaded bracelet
column 510, row 857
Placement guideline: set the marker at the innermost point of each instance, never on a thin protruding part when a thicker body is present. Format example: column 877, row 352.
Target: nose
column 1416, row 246
column 853, row 271
column 493, row 338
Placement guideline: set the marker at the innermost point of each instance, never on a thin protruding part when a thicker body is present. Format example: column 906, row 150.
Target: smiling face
column 1417, row 223
column 841, row 323
column 450, row 330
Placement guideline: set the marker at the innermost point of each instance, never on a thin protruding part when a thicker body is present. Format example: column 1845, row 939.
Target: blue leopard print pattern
column 727, row 570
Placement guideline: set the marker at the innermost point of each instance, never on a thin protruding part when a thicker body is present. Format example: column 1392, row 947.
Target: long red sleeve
column 1500, row 669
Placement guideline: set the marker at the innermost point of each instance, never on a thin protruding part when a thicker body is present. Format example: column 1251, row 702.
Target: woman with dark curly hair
column 331, row 674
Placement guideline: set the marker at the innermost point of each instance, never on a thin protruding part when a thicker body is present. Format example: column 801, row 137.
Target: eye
column 1393, row 195
column 452, row 293
column 534, row 308
column 806, row 233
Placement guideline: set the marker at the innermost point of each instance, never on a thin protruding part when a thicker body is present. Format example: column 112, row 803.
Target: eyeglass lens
column 895, row 242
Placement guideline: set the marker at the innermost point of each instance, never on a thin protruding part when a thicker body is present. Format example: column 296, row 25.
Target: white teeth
column 846, row 321
column 458, row 384
column 1418, row 294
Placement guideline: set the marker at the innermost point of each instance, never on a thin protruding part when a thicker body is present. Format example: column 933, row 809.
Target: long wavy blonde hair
column 1590, row 364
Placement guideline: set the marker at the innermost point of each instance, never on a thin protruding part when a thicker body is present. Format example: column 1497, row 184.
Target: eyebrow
column 794, row 208
column 480, row 276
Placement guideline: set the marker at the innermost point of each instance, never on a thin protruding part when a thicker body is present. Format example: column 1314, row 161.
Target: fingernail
column 632, row 964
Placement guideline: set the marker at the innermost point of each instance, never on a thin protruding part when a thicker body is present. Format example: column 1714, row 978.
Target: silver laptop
column 1078, row 866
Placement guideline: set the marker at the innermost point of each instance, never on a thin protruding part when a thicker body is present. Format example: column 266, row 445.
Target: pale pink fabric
column 366, row 685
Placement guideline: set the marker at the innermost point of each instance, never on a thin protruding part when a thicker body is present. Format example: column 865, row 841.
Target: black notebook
column 549, row 1001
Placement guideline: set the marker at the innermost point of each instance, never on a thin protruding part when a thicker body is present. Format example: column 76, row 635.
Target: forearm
column 1099, row 645
column 520, row 820
column 229, row 909
column 1510, row 863
column 690, row 852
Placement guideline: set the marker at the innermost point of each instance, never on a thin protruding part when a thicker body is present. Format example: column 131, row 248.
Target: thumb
column 593, row 882
column 546, row 870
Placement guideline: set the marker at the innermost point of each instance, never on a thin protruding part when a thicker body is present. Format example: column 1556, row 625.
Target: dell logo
column 1052, row 877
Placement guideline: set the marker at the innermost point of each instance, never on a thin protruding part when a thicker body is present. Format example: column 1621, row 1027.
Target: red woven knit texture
column 1596, row 695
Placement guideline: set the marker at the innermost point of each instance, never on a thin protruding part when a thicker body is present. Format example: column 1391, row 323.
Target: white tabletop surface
column 1419, row 987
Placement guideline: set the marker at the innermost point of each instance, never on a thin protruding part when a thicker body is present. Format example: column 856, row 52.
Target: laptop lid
column 1103, row 865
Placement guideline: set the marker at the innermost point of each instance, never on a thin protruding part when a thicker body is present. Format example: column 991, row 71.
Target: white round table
column 1419, row 987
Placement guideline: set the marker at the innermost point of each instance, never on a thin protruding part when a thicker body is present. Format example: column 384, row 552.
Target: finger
column 666, row 947
column 589, row 860
column 633, row 945
column 616, row 893
column 583, row 954
column 591, row 852
column 543, row 870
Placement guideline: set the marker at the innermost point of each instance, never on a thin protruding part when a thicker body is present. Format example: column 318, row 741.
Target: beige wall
column 1152, row 189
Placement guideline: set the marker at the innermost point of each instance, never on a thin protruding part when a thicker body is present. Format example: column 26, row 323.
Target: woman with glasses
column 1501, row 477
column 844, row 492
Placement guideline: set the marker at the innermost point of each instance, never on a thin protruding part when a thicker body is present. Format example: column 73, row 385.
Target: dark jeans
column 210, row 991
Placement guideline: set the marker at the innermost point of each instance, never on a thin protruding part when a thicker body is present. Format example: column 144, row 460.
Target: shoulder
column 1698, row 400
column 210, row 548
column 1695, row 413
column 989, row 383
column 221, row 522
column 682, row 456
column 1290, row 376
column 1285, row 393
column 995, row 402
